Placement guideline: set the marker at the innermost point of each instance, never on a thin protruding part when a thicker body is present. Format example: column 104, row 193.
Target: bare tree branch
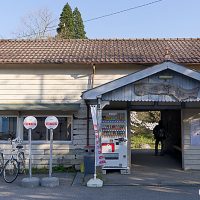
column 38, row 24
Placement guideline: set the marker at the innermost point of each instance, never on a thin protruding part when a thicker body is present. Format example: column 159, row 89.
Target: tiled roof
column 100, row 51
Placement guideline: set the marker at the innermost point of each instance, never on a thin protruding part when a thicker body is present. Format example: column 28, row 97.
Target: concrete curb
column 156, row 185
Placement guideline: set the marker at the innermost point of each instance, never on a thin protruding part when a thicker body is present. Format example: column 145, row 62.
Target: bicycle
column 1, row 161
column 15, row 165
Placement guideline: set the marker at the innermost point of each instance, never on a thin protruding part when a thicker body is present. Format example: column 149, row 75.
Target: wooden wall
column 43, row 84
column 23, row 84
column 191, row 157
column 54, row 83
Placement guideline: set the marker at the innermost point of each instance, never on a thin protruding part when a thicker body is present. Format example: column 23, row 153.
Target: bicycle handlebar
column 15, row 141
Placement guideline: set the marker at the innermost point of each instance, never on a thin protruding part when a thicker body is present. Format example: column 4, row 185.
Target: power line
column 100, row 17
column 121, row 11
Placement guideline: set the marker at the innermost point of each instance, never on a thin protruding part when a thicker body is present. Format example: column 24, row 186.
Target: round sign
column 30, row 122
column 51, row 122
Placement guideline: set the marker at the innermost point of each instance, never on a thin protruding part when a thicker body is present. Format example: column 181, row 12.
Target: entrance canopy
column 166, row 82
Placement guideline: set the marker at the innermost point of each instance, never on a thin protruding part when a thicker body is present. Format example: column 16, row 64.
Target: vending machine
column 114, row 139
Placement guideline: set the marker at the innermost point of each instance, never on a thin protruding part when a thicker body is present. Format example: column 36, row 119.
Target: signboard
column 51, row 122
column 195, row 131
column 30, row 122
column 100, row 159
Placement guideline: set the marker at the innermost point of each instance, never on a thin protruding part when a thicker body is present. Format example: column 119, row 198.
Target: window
column 61, row 133
column 8, row 127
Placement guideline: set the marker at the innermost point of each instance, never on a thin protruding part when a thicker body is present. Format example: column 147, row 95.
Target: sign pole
column 51, row 122
column 98, row 157
column 95, row 163
column 30, row 123
column 51, row 151
column 30, row 153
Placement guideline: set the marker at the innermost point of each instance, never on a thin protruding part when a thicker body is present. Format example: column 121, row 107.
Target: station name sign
column 30, row 122
column 51, row 122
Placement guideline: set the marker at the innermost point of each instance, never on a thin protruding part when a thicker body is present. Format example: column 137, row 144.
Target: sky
column 165, row 19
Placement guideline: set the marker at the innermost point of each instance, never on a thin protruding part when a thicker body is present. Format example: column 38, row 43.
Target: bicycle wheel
column 1, row 163
column 11, row 171
column 21, row 161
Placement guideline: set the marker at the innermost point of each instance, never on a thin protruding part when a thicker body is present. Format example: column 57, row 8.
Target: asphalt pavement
column 156, row 178
column 150, row 170
column 66, row 191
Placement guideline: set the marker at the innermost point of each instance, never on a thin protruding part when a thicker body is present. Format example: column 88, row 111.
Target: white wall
column 191, row 157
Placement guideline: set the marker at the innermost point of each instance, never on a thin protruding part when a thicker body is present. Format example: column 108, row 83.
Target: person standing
column 159, row 136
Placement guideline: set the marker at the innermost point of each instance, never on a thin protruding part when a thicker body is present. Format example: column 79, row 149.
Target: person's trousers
column 156, row 146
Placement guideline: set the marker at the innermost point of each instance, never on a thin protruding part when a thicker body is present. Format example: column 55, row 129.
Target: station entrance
column 170, row 88
column 143, row 141
column 127, row 142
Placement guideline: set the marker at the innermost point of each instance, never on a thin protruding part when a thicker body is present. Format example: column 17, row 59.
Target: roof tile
column 100, row 51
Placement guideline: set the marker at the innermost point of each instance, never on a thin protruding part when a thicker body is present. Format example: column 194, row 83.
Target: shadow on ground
column 150, row 170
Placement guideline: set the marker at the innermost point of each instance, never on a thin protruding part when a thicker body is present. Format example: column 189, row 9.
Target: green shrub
column 138, row 140
column 58, row 168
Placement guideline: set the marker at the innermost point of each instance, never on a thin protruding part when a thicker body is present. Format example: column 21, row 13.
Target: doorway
column 142, row 139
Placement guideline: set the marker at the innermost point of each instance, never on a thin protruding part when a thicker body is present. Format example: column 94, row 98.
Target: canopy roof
column 136, row 86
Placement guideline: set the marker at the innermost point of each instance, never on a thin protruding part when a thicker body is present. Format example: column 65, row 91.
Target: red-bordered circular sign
column 30, row 122
column 51, row 122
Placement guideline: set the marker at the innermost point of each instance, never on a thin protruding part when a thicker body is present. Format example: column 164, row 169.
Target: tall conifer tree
column 79, row 31
column 65, row 28
column 71, row 24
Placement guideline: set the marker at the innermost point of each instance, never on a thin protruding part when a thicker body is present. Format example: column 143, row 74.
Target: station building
column 64, row 77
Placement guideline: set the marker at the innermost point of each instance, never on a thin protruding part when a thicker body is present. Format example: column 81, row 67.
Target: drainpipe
column 88, row 124
column 93, row 74
column 88, row 106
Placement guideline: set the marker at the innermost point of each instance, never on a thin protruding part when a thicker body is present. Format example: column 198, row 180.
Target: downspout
column 88, row 124
column 93, row 74
column 88, row 106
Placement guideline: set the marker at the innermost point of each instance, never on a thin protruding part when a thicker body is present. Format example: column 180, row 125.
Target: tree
column 71, row 24
column 78, row 25
column 144, row 121
column 65, row 28
column 36, row 25
column 142, row 124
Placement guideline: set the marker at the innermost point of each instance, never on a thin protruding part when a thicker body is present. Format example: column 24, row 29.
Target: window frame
column 48, row 141
column 17, row 132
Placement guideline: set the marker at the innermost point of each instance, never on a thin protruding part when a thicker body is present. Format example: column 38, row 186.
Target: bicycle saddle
column 19, row 146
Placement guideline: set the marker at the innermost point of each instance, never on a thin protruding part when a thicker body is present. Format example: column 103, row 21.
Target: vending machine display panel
column 114, row 139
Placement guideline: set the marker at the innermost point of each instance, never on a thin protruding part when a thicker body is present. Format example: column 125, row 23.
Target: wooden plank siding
column 191, row 153
column 106, row 73
column 63, row 153
column 22, row 84
column 43, row 88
